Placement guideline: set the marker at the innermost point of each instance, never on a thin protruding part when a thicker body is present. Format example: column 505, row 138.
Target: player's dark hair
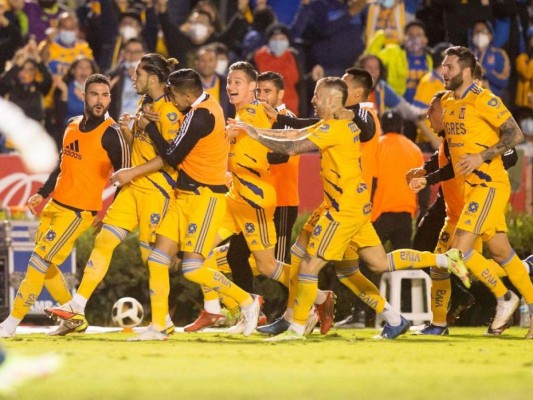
column 96, row 78
column 466, row 58
column 335, row 83
column 273, row 77
column 478, row 71
column 186, row 80
column 156, row 64
column 391, row 121
column 362, row 79
column 245, row 67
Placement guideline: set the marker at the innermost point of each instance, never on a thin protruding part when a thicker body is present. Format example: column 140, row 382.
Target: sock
column 10, row 324
column 145, row 250
column 441, row 292
column 231, row 305
column 362, row 287
column 159, row 283
column 298, row 328
column 496, row 269
column 56, row 284
column 31, row 286
column 79, row 303
column 212, row 306
column 281, row 273
column 168, row 321
column 480, row 268
column 519, row 277
column 297, row 253
column 194, row 271
column 411, row 259
column 320, row 297
column 95, row 270
column 390, row 315
column 307, row 291
column 288, row 315
column 209, row 294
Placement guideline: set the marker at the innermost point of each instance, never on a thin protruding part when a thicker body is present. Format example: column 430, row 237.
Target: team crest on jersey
column 367, row 208
column 50, row 235
column 324, row 127
column 155, row 218
column 473, row 207
column 191, row 229
column 172, row 117
column 444, row 237
column 250, row 110
column 493, row 102
column 317, row 230
column 462, row 113
column 249, row 228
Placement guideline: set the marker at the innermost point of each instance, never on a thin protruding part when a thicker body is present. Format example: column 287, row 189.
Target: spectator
column 222, row 58
column 385, row 15
column 278, row 56
column 332, row 29
column 10, row 35
column 205, row 63
column 394, row 204
column 124, row 95
column 27, row 82
column 257, row 35
column 42, row 15
column 494, row 60
column 284, row 10
column 524, row 69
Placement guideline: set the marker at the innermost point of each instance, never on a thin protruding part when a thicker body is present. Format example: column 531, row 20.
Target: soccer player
column 92, row 147
column 479, row 129
column 200, row 154
column 345, row 220
column 144, row 201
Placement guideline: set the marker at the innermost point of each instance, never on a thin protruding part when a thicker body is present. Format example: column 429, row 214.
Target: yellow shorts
column 257, row 224
column 193, row 220
column 134, row 207
column 484, row 211
column 59, row 229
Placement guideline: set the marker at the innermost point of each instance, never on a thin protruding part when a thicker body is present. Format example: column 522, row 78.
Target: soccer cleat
column 250, row 315
column 288, row 335
column 15, row 371
column 230, row 317
column 504, row 312
column 149, row 335
column 433, row 330
column 457, row 267
column 280, row 325
column 66, row 311
column 169, row 330
column 462, row 302
column 73, row 325
column 357, row 320
column 238, row 328
column 392, row 332
column 262, row 319
column 204, row 320
column 312, row 320
column 5, row 334
column 326, row 312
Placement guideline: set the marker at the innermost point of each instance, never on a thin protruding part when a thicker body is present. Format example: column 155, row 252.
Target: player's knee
column 109, row 237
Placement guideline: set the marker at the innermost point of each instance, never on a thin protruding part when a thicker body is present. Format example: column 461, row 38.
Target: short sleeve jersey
column 248, row 162
column 340, row 165
column 143, row 151
column 472, row 125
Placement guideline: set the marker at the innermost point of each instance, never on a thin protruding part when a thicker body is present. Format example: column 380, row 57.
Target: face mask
column 278, row 47
column 527, row 126
column 130, row 64
column 387, row 3
column 128, row 32
column 67, row 37
column 481, row 40
column 414, row 45
column 198, row 32
column 222, row 66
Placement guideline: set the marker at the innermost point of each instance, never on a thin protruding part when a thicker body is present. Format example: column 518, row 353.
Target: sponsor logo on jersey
column 462, row 113
column 73, row 150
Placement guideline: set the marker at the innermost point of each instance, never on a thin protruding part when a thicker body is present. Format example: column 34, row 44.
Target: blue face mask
column 67, row 37
column 278, row 47
column 387, row 3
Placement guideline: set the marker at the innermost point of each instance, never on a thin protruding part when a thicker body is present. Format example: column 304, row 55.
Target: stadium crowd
column 171, row 67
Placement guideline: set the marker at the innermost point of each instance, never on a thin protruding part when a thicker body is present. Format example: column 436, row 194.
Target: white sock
column 442, row 261
column 289, row 312
column 79, row 302
column 299, row 329
column 168, row 321
column 391, row 315
column 212, row 306
column 11, row 323
column 320, row 297
column 526, row 266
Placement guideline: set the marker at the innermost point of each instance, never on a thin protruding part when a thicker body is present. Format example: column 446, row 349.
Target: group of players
column 175, row 192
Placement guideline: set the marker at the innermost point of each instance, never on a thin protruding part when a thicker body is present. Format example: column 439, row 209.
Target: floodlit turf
column 345, row 364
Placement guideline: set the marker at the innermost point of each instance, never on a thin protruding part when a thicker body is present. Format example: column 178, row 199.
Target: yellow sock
column 297, row 253
column 95, row 270
column 146, row 250
column 229, row 303
column 496, row 269
column 519, row 277
column 31, row 286
column 194, row 271
column 411, row 259
column 281, row 273
column 480, row 268
column 159, row 282
column 56, row 284
column 209, row 294
column 307, row 290
column 441, row 292
column 362, row 287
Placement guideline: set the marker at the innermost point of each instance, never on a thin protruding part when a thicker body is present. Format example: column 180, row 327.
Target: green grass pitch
column 345, row 364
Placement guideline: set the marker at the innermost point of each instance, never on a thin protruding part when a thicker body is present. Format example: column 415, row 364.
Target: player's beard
column 455, row 82
column 92, row 112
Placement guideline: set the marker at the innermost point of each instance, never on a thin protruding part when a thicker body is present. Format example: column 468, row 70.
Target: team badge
column 191, row 229
column 367, row 209
column 444, row 237
column 155, row 218
column 172, row 117
column 324, row 127
column 473, row 207
column 249, row 228
column 250, row 110
column 317, row 230
column 493, row 102
column 50, row 235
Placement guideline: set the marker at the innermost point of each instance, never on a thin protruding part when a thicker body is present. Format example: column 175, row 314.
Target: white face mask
column 198, row 32
column 278, row 47
column 527, row 126
column 131, row 64
column 67, row 37
column 387, row 3
column 222, row 66
column 481, row 40
column 128, row 32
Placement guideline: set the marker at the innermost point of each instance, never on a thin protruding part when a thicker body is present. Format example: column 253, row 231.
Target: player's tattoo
column 510, row 136
column 289, row 147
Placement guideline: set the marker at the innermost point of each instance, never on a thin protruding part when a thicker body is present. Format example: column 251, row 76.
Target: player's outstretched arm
column 125, row 175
